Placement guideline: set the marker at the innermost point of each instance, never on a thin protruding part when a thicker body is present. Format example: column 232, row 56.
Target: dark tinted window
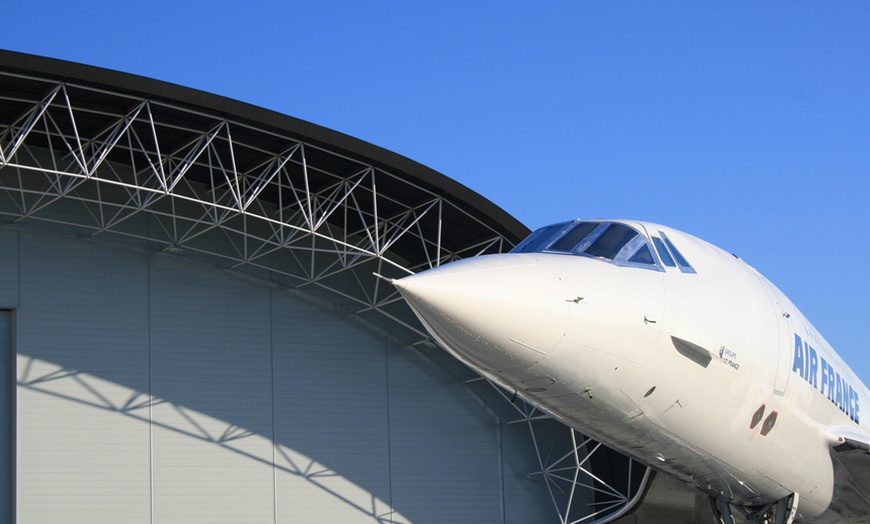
column 537, row 240
column 574, row 236
column 663, row 252
column 611, row 241
column 681, row 260
column 618, row 243
column 642, row 256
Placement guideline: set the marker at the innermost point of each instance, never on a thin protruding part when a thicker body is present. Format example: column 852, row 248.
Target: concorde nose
column 497, row 313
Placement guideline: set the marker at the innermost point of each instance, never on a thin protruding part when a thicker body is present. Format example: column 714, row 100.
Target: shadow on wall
column 227, row 370
column 49, row 379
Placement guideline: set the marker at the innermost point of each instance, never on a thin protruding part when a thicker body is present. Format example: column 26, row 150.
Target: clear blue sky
column 744, row 123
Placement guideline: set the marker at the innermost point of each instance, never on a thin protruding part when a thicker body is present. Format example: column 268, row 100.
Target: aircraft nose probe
column 496, row 315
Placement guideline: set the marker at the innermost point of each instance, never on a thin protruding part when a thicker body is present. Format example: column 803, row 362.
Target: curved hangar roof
column 122, row 158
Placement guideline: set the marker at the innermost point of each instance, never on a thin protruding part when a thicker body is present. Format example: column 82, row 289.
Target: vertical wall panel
column 7, row 423
column 331, row 416
column 83, row 435
column 211, row 378
column 267, row 406
column 8, row 299
column 527, row 500
column 444, row 445
column 8, row 269
column 526, row 497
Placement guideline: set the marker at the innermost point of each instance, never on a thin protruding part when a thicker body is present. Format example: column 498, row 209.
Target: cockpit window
column 609, row 243
column 538, row 240
column 666, row 257
column 683, row 264
column 616, row 242
column 612, row 241
column 572, row 238
column 642, row 256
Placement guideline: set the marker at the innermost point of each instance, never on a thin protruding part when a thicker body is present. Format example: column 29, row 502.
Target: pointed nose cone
column 497, row 313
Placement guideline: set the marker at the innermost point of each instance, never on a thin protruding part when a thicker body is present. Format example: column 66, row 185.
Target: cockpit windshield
column 539, row 239
column 616, row 242
column 611, row 241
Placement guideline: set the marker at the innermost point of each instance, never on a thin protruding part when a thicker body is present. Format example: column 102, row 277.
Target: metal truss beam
column 580, row 492
column 225, row 193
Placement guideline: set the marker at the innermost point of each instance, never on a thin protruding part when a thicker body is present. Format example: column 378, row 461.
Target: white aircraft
column 670, row 350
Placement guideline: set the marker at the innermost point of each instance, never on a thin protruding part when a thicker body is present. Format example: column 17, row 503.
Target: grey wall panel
column 82, row 446
column 527, row 499
column 8, row 269
column 331, row 416
column 7, row 423
column 445, row 453
column 267, row 407
column 211, row 379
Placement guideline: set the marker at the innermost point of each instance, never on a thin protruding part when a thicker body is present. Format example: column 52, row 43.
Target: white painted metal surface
column 704, row 371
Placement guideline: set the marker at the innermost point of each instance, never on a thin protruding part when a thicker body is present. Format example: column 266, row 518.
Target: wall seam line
column 272, row 390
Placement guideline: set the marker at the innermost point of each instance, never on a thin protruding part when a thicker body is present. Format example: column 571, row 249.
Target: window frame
column 682, row 262
column 621, row 259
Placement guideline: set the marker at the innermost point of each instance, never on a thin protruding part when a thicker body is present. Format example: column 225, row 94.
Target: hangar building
column 191, row 329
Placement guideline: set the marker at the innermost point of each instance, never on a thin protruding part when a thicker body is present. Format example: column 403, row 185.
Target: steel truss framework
column 226, row 193
column 231, row 194
column 588, row 483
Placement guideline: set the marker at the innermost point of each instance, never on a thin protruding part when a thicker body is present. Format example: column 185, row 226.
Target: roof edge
column 64, row 70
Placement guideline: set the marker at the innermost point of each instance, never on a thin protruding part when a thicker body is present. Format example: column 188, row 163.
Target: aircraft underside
column 782, row 511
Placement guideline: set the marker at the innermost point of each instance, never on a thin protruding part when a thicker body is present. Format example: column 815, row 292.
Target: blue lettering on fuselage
column 811, row 366
column 798, row 366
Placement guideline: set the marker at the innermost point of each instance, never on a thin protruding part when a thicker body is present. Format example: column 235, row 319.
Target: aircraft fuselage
column 661, row 346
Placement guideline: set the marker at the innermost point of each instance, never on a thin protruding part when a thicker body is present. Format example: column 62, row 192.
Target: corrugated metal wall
column 8, row 302
column 6, row 417
column 211, row 380
column 82, row 354
column 150, row 390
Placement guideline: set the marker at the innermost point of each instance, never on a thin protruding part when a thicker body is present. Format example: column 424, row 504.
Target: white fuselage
column 711, row 375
